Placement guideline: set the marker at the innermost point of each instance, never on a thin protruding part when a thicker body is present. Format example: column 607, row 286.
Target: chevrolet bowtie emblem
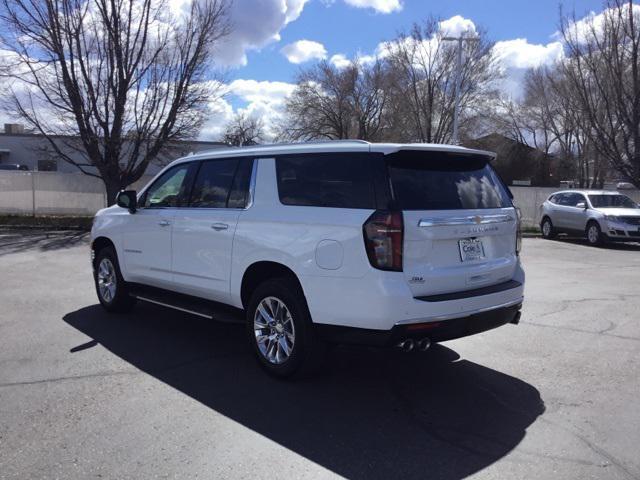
column 477, row 219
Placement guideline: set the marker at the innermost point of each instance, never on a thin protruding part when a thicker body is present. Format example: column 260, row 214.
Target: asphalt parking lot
column 160, row 394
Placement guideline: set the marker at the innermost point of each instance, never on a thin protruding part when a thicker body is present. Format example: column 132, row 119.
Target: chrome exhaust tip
column 423, row 344
column 406, row 345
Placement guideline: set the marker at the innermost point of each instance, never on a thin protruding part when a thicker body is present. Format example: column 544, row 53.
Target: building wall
column 27, row 149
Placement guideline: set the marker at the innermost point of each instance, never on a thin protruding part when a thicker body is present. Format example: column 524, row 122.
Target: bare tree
column 603, row 69
column 424, row 85
column 547, row 118
column 125, row 77
column 244, row 130
column 338, row 103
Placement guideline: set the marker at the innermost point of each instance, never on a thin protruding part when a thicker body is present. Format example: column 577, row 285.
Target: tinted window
column 563, row 198
column 612, row 201
column 170, row 189
column 239, row 195
column 444, row 181
column 326, row 180
column 572, row 199
column 213, row 183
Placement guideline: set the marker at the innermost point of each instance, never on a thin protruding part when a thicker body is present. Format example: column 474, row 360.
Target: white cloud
column 260, row 99
column 456, row 26
column 340, row 60
column 380, row 6
column 518, row 55
column 303, row 51
column 220, row 113
column 256, row 91
column 594, row 22
column 255, row 24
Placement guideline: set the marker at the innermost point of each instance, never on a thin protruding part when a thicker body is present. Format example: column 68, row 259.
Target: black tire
column 119, row 300
column 596, row 239
column 306, row 352
column 546, row 227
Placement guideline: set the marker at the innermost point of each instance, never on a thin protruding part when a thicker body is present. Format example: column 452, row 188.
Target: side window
column 213, row 183
column 341, row 180
column 573, row 199
column 562, row 199
column 554, row 198
column 170, row 189
column 239, row 196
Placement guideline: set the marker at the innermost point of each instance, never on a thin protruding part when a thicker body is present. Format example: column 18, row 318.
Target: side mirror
column 582, row 205
column 127, row 199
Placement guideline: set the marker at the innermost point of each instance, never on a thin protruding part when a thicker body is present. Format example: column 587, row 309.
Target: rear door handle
column 164, row 223
column 219, row 226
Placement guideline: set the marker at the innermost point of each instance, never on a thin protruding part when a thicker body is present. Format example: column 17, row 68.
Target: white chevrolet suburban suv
column 344, row 241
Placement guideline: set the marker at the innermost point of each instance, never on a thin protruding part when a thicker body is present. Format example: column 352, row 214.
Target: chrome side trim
column 452, row 316
column 145, row 299
column 470, row 220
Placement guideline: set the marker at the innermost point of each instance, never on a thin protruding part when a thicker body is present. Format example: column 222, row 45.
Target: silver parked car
column 599, row 215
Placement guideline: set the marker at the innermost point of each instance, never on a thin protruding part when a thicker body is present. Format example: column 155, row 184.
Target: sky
column 272, row 40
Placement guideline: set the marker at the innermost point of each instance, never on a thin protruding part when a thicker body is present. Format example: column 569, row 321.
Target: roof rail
column 284, row 144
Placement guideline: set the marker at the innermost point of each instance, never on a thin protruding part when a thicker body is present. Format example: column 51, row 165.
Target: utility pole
column 456, row 110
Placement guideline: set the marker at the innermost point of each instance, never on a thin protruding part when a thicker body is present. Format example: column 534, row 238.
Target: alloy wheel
column 107, row 280
column 274, row 330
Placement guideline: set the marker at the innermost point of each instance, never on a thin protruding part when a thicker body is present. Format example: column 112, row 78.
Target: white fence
column 52, row 193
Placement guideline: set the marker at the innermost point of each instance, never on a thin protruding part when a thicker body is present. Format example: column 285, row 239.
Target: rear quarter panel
column 291, row 235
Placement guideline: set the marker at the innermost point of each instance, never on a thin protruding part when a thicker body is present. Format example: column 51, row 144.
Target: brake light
column 518, row 231
column 383, row 236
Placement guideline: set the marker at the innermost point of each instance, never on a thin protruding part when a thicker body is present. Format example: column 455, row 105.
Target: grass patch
column 49, row 222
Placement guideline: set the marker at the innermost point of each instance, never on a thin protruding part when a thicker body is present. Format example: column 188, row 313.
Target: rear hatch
column 460, row 225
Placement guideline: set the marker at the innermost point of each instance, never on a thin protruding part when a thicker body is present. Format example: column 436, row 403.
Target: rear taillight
column 518, row 231
column 383, row 236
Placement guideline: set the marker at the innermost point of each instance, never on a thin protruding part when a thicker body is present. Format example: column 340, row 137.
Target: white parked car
column 598, row 215
column 345, row 241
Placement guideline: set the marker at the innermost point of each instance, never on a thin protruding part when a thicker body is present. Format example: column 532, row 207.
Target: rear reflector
column 422, row 326
column 383, row 237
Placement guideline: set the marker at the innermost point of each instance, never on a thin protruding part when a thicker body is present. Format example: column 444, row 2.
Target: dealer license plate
column 471, row 249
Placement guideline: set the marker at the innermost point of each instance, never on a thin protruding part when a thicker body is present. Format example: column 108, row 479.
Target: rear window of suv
column 339, row 180
column 423, row 180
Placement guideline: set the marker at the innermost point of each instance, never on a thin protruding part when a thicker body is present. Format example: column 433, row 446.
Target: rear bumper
column 382, row 300
column 436, row 331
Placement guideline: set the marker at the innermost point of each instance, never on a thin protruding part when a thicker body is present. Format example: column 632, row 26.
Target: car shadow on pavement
column 369, row 414
column 15, row 241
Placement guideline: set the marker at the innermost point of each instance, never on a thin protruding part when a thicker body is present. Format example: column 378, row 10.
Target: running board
column 188, row 304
